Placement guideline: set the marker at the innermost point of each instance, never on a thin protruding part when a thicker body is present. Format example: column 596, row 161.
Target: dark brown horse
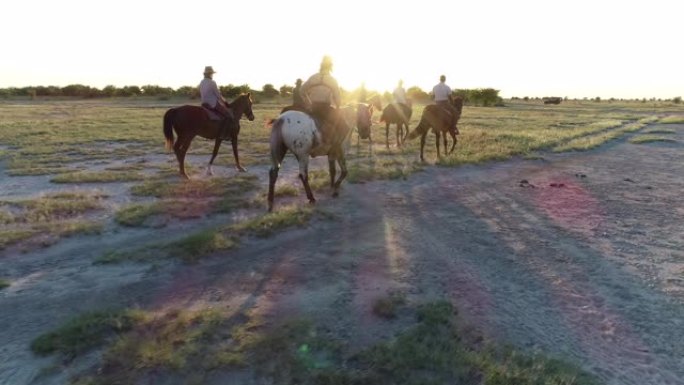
column 399, row 114
column 363, row 121
column 439, row 119
column 190, row 121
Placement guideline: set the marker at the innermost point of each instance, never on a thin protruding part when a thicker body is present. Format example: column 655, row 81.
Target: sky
column 578, row 48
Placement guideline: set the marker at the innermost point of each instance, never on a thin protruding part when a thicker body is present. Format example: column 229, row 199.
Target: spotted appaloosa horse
column 190, row 121
column 399, row 114
column 439, row 119
column 296, row 131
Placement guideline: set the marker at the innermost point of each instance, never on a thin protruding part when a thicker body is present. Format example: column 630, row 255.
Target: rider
column 321, row 93
column 213, row 100
column 442, row 96
column 362, row 93
column 297, row 100
column 399, row 95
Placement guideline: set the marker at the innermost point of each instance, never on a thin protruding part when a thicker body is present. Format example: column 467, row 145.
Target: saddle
column 212, row 113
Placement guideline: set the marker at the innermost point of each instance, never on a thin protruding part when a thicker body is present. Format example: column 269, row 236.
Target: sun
column 351, row 73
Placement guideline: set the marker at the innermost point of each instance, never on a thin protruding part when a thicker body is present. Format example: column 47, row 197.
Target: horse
column 364, row 113
column 189, row 121
column 399, row 114
column 296, row 131
column 356, row 116
column 439, row 119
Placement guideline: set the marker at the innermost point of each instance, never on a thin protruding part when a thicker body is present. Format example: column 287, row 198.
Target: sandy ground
column 591, row 270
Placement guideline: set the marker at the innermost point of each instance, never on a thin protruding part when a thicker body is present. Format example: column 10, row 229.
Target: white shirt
column 209, row 92
column 441, row 92
column 399, row 95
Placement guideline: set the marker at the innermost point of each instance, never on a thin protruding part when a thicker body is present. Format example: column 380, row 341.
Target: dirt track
column 591, row 271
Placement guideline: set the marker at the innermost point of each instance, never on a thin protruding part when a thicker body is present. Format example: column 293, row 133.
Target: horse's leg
column 422, row 145
column 234, row 143
column 444, row 140
column 342, row 161
column 387, row 133
column 398, row 135
column 304, row 176
column 277, row 156
column 181, row 148
column 437, row 144
column 217, row 144
column 331, row 169
column 453, row 136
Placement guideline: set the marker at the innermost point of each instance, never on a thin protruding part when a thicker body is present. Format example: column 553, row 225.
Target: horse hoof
column 241, row 169
column 312, row 201
column 335, row 194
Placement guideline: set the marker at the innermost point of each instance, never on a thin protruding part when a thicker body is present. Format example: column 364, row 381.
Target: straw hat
column 209, row 70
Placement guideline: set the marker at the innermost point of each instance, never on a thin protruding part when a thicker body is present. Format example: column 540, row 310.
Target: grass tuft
column 85, row 332
column 642, row 139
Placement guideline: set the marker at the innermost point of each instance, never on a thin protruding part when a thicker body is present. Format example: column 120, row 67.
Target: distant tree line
column 87, row 92
column 482, row 97
column 597, row 99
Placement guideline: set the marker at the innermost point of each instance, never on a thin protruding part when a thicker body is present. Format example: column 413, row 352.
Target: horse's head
column 243, row 105
column 363, row 116
column 376, row 102
column 457, row 102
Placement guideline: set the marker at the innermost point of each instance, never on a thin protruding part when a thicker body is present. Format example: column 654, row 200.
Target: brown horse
column 190, row 121
column 363, row 121
column 363, row 117
column 399, row 114
column 439, row 119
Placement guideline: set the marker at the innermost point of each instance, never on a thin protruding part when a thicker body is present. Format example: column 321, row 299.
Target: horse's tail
column 276, row 139
column 421, row 128
column 168, row 127
column 270, row 122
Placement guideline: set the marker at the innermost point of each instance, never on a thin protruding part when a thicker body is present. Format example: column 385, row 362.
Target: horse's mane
column 239, row 97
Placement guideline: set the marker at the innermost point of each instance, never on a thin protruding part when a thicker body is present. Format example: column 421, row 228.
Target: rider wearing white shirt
column 441, row 93
column 399, row 93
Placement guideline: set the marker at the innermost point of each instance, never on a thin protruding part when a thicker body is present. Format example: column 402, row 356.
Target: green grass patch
column 32, row 171
column 588, row 142
column 672, row 120
column 49, row 218
column 200, row 244
column 642, row 139
column 183, row 342
column 85, row 332
column 212, row 187
column 433, row 351
column 386, row 307
column 12, row 236
column 382, row 169
column 189, row 249
column 656, row 131
column 266, row 224
column 135, row 215
column 189, row 344
column 97, row 177
column 4, row 283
